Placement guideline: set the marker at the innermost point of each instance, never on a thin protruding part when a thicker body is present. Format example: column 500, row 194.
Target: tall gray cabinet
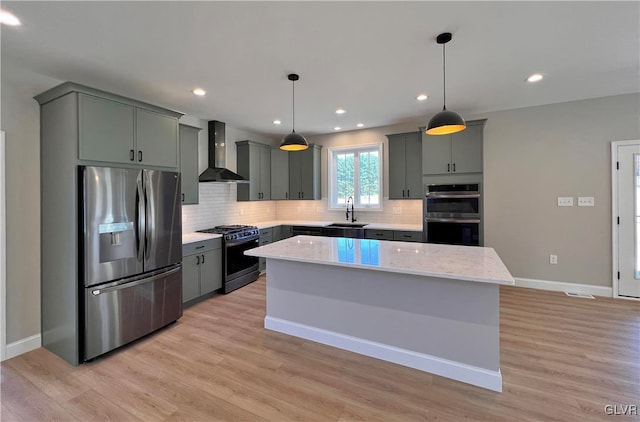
column 460, row 152
column 304, row 173
column 279, row 174
column 189, row 163
column 254, row 164
column 405, row 165
column 85, row 126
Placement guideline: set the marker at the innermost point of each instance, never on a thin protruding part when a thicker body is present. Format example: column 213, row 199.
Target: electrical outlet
column 565, row 201
column 553, row 259
column 586, row 201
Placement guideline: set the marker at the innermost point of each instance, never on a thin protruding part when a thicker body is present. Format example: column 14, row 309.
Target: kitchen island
column 431, row 307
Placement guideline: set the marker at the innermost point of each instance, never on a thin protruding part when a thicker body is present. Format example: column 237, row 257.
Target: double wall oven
column 452, row 214
column 238, row 269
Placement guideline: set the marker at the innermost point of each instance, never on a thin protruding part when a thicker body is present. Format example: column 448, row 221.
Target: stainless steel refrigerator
column 131, row 253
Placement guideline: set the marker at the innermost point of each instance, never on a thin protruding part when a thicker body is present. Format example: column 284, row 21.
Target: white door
column 628, row 226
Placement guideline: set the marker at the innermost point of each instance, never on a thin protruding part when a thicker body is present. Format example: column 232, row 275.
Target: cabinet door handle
column 199, row 247
column 298, row 195
column 183, row 197
column 203, row 259
column 286, row 195
column 197, row 259
column 139, row 155
column 448, row 167
column 302, row 195
column 408, row 194
column 454, row 166
column 132, row 156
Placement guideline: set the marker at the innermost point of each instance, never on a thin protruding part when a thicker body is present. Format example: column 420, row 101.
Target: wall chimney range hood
column 216, row 172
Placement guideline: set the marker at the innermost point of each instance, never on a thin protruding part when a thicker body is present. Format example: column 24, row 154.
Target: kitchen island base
column 443, row 326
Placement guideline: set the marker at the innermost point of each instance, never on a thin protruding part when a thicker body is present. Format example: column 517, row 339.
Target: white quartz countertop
column 377, row 226
column 198, row 237
column 469, row 263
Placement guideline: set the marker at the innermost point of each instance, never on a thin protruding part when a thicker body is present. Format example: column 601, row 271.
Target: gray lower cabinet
column 189, row 163
column 304, row 173
column 285, row 232
column 405, row 165
column 266, row 237
column 117, row 132
column 407, row 236
column 457, row 153
column 201, row 268
column 378, row 234
column 279, row 174
column 254, row 164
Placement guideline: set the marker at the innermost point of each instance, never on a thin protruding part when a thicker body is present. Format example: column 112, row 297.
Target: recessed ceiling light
column 337, row 128
column 341, row 111
column 360, row 124
column 421, row 97
column 8, row 18
column 535, row 77
column 277, row 122
column 199, row 92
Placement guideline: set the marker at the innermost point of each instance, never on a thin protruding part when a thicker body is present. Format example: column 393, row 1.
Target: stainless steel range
column 237, row 269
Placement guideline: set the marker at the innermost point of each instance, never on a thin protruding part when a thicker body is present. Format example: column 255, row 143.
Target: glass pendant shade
column 445, row 122
column 293, row 142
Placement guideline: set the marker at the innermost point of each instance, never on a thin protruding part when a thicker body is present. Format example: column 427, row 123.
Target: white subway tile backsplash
column 218, row 206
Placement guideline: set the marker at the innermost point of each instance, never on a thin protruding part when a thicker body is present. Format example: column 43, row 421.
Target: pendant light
column 446, row 121
column 294, row 141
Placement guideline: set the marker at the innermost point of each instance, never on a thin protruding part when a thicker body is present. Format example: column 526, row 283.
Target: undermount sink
column 348, row 225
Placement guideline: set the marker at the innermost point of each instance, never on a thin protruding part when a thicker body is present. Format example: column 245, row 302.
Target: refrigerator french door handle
column 150, row 227
column 142, row 217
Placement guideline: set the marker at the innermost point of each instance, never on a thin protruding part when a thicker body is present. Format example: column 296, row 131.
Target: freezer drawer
column 117, row 315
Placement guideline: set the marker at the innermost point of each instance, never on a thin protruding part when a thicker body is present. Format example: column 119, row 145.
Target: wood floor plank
column 562, row 359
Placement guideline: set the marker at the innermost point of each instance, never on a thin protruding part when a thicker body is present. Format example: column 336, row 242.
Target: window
column 356, row 172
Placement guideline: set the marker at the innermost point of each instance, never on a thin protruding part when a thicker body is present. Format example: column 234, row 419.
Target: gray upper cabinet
column 304, row 173
column 279, row 174
column 156, row 139
column 254, row 164
column 405, row 166
column 457, row 153
column 106, row 130
column 115, row 129
column 189, row 163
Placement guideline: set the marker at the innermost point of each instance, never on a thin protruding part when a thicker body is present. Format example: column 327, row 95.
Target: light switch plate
column 565, row 201
column 586, row 201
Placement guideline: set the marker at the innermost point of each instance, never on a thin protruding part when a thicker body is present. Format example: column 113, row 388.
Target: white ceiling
column 370, row 58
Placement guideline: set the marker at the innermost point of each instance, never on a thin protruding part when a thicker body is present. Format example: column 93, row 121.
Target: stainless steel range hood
column 216, row 172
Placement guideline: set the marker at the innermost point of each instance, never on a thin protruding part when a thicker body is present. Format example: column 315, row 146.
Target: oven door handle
column 241, row 242
column 452, row 220
column 452, row 195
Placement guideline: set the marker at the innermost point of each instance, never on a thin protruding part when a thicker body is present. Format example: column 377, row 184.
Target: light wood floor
column 562, row 359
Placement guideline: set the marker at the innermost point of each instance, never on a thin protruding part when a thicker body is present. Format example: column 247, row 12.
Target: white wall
column 532, row 156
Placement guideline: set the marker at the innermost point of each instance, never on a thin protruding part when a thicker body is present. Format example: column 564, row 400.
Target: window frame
column 332, row 180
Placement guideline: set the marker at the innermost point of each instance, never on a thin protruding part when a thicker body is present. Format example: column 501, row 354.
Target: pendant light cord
column 294, row 104
column 444, row 79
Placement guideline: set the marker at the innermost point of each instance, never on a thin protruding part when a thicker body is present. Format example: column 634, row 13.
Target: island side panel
column 449, row 319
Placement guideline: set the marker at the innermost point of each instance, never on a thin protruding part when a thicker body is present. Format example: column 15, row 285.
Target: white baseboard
column 23, row 346
column 474, row 375
column 559, row 286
